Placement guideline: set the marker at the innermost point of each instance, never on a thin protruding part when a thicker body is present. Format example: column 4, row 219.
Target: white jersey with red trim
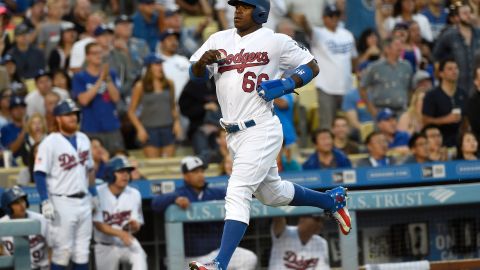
column 66, row 168
column 38, row 243
column 117, row 212
column 288, row 252
column 259, row 56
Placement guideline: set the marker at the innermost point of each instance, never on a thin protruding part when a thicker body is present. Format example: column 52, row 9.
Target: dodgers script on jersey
column 116, row 212
column 65, row 167
column 260, row 56
column 288, row 252
column 38, row 243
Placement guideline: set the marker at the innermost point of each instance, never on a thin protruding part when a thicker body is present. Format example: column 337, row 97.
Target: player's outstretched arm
column 300, row 76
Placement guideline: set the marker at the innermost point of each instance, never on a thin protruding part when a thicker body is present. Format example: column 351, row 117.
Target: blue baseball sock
column 54, row 266
column 77, row 266
column 307, row 197
column 233, row 232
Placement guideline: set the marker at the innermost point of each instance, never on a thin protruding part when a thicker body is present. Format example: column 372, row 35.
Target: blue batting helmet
column 65, row 106
column 260, row 13
column 11, row 195
column 116, row 164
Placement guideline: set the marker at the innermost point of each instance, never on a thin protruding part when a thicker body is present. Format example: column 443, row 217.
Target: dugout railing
column 387, row 202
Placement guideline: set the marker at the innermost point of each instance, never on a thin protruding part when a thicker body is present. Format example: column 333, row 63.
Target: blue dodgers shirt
column 147, row 31
column 400, row 138
column 286, row 118
column 100, row 115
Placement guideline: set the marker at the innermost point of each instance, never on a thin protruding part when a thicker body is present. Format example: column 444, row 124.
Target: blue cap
column 7, row 58
column 22, row 29
column 385, row 114
column 100, row 30
column 41, row 73
column 168, row 32
column 152, row 59
column 17, row 101
column 331, row 10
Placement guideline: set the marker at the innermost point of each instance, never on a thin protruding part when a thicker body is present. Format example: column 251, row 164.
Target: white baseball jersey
column 117, row 211
column 66, row 167
column 288, row 252
column 259, row 56
column 334, row 52
column 38, row 243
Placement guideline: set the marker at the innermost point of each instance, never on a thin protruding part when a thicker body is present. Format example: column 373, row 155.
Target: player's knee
column 278, row 196
column 61, row 257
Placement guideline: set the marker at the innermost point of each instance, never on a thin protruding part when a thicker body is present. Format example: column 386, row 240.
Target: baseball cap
column 66, row 26
column 7, row 58
column 152, row 58
column 191, row 163
column 168, row 32
column 100, row 30
column 17, row 101
column 419, row 76
column 122, row 19
column 385, row 114
column 331, row 10
column 401, row 26
column 42, row 72
column 171, row 12
column 146, row 1
column 21, row 29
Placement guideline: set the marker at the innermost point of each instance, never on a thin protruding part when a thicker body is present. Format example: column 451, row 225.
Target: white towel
column 417, row 265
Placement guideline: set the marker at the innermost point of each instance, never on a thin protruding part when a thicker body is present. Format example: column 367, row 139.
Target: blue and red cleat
column 207, row 266
column 339, row 210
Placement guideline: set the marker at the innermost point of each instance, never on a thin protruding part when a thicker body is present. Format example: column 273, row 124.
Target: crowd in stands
column 403, row 91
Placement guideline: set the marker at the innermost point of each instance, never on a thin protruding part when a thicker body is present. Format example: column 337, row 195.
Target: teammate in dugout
column 64, row 175
column 201, row 238
column 247, row 63
column 15, row 203
column 118, row 216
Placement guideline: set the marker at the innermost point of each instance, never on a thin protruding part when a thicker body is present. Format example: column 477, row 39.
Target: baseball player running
column 63, row 172
column 247, row 63
column 15, row 204
column 118, row 216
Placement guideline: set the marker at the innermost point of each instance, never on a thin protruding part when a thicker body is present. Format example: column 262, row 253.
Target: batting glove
column 273, row 89
column 48, row 211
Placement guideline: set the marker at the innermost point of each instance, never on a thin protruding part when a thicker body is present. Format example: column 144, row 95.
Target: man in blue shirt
column 201, row 239
column 283, row 107
column 96, row 90
column 325, row 156
column 387, row 125
column 13, row 134
column 146, row 22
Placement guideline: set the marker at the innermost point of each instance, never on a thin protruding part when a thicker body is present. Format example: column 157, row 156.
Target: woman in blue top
column 157, row 122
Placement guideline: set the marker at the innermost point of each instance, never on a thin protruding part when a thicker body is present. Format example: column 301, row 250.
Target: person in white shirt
column 298, row 247
column 36, row 99
column 77, row 55
column 334, row 48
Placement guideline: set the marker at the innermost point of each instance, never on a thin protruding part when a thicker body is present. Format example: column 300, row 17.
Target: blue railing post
column 19, row 229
